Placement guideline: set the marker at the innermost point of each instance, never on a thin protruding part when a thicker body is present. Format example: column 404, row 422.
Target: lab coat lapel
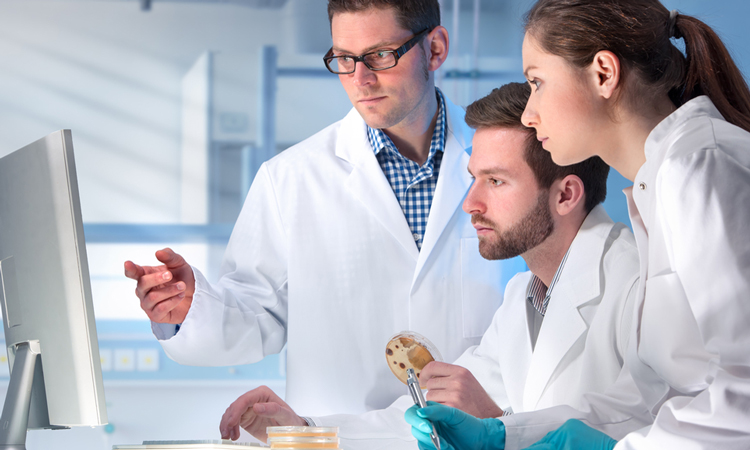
column 514, row 359
column 453, row 181
column 368, row 183
column 563, row 325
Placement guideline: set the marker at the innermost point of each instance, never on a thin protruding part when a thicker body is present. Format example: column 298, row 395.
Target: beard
column 522, row 236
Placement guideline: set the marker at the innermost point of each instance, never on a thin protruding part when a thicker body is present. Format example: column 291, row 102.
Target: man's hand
column 166, row 291
column 455, row 386
column 254, row 411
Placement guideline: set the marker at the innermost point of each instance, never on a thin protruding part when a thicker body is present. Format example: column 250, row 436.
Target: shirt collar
column 379, row 140
column 538, row 294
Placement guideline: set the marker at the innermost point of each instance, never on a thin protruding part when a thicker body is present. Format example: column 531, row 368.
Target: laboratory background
column 173, row 106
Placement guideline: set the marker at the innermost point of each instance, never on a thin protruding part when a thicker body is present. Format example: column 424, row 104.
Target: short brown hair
column 412, row 15
column 503, row 108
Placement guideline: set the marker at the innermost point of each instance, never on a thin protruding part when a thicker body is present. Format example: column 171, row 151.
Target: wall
column 112, row 74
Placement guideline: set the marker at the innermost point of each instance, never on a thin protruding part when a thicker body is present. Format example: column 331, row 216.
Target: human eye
column 495, row 182
column 534, row 83
column 380, row 59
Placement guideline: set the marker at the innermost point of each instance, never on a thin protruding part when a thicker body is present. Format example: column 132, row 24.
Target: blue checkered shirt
column 413, row 185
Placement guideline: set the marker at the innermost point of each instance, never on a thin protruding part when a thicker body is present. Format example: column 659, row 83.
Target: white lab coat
column 584, row 336
column 580, row 348
column 689, row 355
column 322, row 259
column 690, row 208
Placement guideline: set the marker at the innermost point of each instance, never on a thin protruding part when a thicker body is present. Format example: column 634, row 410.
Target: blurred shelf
column 156, row 233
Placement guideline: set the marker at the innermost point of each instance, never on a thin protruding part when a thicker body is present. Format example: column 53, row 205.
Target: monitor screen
column 44, row 287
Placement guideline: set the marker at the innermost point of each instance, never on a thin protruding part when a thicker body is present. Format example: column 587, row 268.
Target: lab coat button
column 642, row 186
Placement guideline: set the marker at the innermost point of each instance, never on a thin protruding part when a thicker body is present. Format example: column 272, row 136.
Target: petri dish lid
column 302, row 431
column 304, row 442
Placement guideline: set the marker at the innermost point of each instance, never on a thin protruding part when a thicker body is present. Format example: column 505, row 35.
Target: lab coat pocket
column 670, row 340
column 480, row 296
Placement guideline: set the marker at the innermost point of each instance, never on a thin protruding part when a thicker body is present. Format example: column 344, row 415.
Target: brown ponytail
column 638, row 32
column 711, row 71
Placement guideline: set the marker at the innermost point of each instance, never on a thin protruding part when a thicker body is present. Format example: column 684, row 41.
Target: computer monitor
column 47, row 309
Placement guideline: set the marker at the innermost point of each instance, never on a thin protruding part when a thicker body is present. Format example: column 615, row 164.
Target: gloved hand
column 456, row 429
column 575, row 435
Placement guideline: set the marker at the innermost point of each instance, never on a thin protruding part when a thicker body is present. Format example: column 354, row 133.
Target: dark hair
column 639, row 33
column 503, row 108
column 412, row 15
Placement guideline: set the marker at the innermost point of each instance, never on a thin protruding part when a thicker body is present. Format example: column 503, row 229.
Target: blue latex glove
column 456, row 429
column 575, row 435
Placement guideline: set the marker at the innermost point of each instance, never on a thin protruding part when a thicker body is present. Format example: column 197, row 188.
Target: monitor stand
column 14, row 421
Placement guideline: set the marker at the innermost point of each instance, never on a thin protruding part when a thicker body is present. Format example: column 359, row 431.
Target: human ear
column 605, row 69
column 437, row 51
column 569, row 194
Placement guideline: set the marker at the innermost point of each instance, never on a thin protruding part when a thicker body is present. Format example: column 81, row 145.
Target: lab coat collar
column 664, row 133
column 661, row 140
column 368, row 182
column 453, row 183
column 579, row 283
column 351, row 143
column 579, row 280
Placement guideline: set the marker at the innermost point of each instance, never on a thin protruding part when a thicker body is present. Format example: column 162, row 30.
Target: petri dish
column 304, row 442
column 409, row 349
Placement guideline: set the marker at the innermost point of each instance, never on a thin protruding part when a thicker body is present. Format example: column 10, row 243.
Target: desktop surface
column 218, row 444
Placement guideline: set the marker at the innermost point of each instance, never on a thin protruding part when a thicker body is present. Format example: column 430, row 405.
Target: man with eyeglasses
column 333, row 252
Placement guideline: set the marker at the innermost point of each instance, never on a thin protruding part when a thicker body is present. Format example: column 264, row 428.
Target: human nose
column 473, row 203
column 530, row 118
column 362, row 75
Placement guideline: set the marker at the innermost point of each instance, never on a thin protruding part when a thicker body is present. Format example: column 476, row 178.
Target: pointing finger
column 170, row 258
column 133, row 271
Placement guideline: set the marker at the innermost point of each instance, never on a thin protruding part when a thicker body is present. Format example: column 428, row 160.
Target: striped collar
column 538, row 294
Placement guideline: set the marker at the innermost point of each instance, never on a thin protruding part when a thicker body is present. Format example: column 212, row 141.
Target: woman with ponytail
column 608, row 80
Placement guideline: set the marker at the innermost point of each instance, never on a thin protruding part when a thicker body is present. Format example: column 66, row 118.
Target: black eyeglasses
column 378, row 60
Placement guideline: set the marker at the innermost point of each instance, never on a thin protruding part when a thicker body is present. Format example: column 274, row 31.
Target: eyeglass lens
column 374, row 61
